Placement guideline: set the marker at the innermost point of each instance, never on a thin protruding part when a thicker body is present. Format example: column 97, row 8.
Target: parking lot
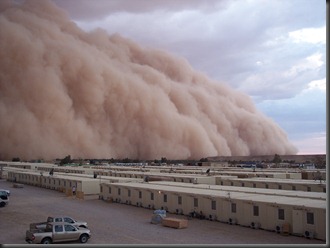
column 114, row 223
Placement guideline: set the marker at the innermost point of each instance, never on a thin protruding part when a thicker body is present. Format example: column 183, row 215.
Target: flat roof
column 233, row 195
column 291, row 193
column 277, row 180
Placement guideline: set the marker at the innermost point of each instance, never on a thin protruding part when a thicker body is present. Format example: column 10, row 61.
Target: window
column 308, row 188
column 221, row 183
column 254, row 185
column 151, row 196
column 266, row 185
column 58, row 228
column 213, row 205
column 69, row 228
column 165, row 198
column 58, row 219
column 118, row 191
column 69, row 220
column 109, row 190
column 255, row 210
column 129, row 193
column 242, row 184
column 231, row 184
column 310, row 218
column 281, row 214
column 101, row 189
column 196, row 202
column 140, row 194
column 279, row 186
column 233, row 207
column 179, row 200
column 293, row 187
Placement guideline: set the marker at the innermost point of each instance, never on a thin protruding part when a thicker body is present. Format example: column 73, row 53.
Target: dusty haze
column 65, row 91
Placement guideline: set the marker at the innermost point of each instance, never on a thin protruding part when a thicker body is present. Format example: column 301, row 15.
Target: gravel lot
column 114, row 223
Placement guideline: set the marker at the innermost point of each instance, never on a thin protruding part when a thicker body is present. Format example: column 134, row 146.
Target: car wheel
column 83, row 238
column 46, row 241
column 2, row 204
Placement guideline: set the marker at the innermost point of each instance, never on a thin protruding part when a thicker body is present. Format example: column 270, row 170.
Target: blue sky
column 273, row 50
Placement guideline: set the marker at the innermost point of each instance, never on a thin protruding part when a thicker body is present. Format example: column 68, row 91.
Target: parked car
column 7, row 190
column 57, row 232
column 66, row 219
column 4, row 199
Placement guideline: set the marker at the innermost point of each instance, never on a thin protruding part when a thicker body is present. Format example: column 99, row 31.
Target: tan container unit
column 229, row 212
column 126, row 195
column 309, row 222
column 278, row 216
column 177, row 199
column 210, row 206
column 158, row 198
column 218, row 179
column 249, row 214
column 183, row 203
column 149, row 199
column 106, row 192
column 165, row 200
column 138, row 196
column 116, row 193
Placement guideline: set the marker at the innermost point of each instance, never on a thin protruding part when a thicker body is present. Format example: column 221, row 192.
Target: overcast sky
column 273, row 50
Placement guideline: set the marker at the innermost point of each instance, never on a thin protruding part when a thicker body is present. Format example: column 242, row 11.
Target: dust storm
column 94, row 95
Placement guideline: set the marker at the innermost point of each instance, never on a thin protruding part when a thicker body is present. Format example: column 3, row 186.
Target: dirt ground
column 114, row 223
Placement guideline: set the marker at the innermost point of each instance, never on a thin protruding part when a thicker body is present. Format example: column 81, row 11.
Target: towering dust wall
column 65, row 91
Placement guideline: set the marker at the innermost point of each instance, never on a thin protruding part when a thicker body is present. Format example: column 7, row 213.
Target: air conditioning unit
column 309, row 234
column 212, row 217
column 278, row 229
column 255, row 225
column 232, row 221
column 178, row 211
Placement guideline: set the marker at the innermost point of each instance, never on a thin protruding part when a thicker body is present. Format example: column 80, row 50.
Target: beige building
column 267, row 202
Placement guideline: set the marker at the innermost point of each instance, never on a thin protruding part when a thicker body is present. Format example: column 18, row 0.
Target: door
column 59, row 234
column 297, row 221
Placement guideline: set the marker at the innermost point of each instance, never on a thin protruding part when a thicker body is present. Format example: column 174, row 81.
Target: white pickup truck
column 66, row 219
column 56, row 233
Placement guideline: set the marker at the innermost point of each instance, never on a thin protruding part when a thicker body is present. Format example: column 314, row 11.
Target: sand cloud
column 66, row 91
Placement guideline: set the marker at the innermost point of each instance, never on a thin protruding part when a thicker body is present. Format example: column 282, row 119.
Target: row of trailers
column 284, row 211
column 293, row 215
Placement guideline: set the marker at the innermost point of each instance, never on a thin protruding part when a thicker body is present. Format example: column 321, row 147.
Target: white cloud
column 309, row 35
column 317, row 84
column 312, row 62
